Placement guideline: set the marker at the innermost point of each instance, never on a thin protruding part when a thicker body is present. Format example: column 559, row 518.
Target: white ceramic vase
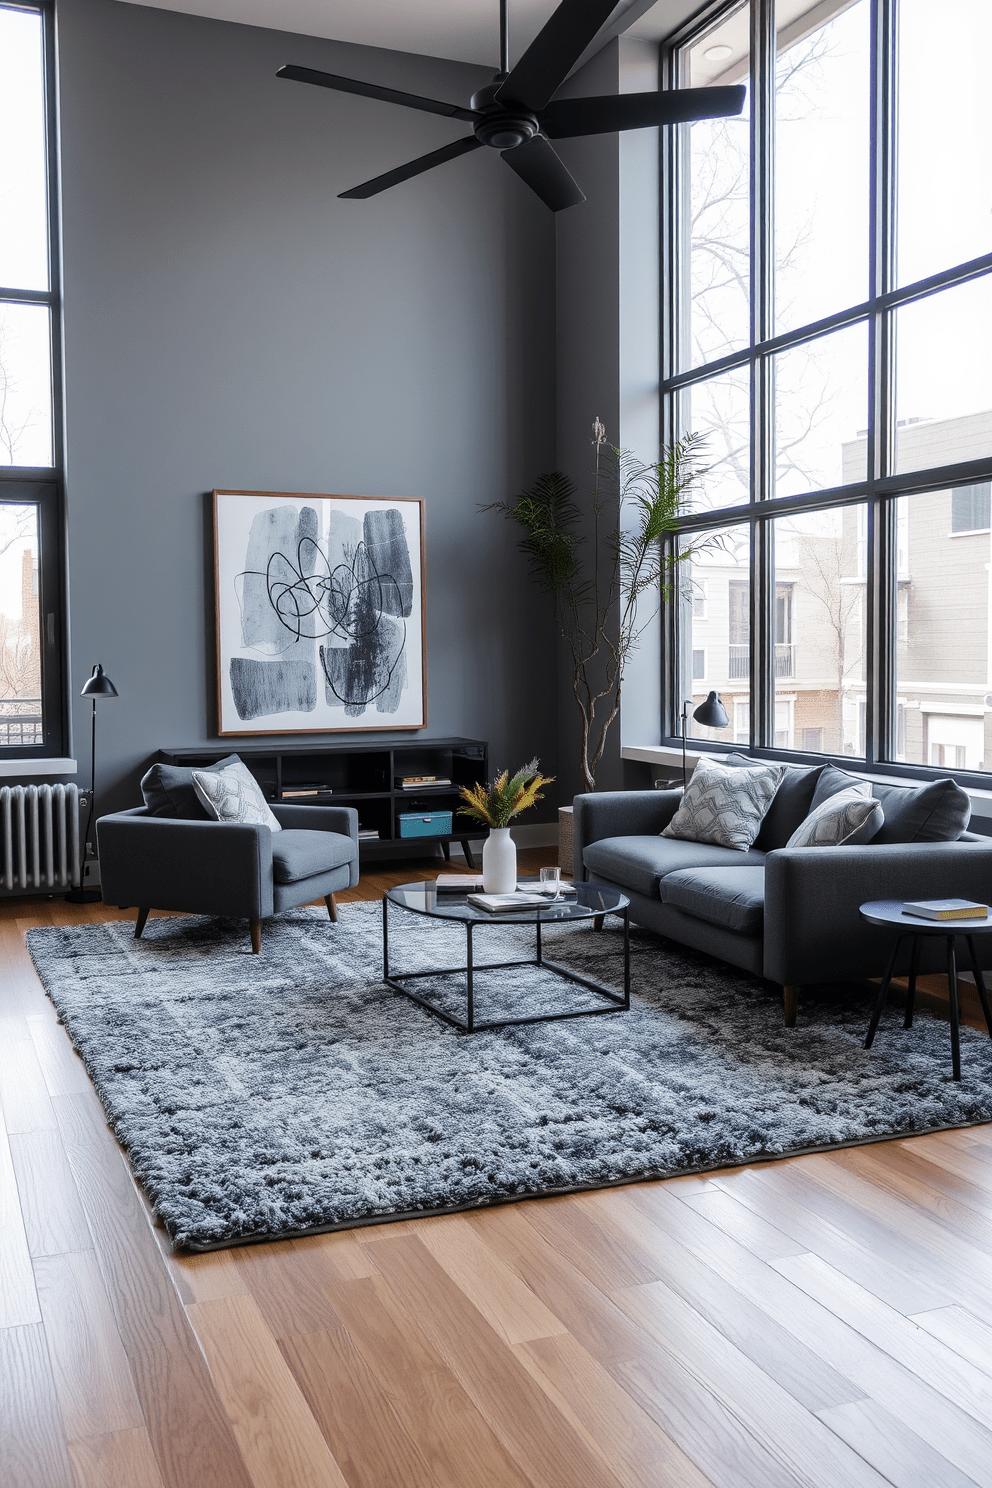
column 499, row 862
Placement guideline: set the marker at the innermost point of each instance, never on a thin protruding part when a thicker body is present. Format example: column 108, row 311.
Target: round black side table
column 890, row 912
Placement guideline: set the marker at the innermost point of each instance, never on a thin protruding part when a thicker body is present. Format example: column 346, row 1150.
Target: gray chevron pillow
column 724, row 804
column 851, row 816
column 234, row 795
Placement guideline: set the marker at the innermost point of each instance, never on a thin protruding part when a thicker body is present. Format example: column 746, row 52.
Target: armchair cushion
column 167, row 790
column 234, row 795
column 731, row 897
column 298, row 854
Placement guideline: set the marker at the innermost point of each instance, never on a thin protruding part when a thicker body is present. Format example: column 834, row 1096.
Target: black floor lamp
column 97, row 685
column 711, row 714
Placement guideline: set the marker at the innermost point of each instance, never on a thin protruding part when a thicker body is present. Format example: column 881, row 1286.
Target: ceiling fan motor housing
column 505, row 125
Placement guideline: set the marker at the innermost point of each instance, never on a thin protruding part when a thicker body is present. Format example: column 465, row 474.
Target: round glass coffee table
column 589, row 902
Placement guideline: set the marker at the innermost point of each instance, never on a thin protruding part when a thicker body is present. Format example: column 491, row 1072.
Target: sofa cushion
column 731, row 897
column 234, row 795
column 298, row 853
column 849, row 817
column 167, row 790
column 937, row 811
column 791, row 803
column 725, row 805
column 639, row 863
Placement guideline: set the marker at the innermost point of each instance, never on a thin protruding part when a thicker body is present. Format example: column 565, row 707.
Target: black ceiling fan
column 515, row 113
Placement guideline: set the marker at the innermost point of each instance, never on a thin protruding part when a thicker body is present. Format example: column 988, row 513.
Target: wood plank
column 506, row 1302
column 62, row 1068
column 956, row 1328
column 124, row 1459
column 18, row 1298
column 354, row 1413
column 24, row 1099
column 32, row 1443
column 516, row 1409
column 966, row 1207
column 606, row 1417
column 571, row 1227
column 432, row 1407
column 898, row 1453
column 190, row 1434
column 54, row 1222
column 287, row 1285
column 748, row 1226
column 279, row 1439
column 92, row 1378
column 204, row 1278
column 795, row 1436
column 340, row 1253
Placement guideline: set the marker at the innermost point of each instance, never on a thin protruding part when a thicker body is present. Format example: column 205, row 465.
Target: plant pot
column 499, row 862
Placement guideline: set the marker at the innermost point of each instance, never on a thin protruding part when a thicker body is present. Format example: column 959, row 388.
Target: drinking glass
column 552, row 877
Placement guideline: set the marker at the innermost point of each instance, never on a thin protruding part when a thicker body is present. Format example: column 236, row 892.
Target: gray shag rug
column 292, row 1092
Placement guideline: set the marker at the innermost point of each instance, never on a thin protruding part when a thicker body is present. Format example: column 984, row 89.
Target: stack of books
column 305, row 792
column 366, row 834
column 420, row 782
column 947, row 909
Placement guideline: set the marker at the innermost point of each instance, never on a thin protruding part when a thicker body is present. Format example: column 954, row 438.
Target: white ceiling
column 463, row 30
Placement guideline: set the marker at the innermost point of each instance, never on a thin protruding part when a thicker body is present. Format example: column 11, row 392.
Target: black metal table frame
column 916, row 934
column 469, row 1025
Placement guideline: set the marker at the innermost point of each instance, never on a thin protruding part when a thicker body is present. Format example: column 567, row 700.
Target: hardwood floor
column 821, row 1321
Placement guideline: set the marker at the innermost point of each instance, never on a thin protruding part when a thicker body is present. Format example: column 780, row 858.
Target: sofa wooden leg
column 790, row 1002
column 139, row 923
column 332, row 908
column 256, row 937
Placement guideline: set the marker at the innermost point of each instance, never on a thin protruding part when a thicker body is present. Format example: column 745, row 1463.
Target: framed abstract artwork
column 320, row 612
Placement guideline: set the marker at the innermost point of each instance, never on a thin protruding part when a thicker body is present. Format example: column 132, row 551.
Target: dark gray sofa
column 788, row 914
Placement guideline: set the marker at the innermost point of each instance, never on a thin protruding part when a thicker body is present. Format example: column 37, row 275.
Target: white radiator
column 39, row 837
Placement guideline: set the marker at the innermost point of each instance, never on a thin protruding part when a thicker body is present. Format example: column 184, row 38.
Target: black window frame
column 882, row 485
column 43, row 486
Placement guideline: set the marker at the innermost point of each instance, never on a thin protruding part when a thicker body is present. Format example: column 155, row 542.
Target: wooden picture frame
column 320, row 613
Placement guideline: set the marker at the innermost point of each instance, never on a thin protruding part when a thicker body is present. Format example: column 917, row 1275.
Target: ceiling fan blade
column 538, row 165
column 553, row 53
column 415, row 168
column 570, row 117
column 372, row 90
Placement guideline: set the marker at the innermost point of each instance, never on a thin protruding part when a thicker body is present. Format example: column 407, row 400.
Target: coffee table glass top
column 589, row 899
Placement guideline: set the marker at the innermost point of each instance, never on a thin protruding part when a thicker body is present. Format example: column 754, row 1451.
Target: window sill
column 20, row 767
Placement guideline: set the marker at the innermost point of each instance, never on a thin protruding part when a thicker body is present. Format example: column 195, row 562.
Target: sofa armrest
column 202, row 867
column 619, row 814
column 813, row 931
column 341, row 819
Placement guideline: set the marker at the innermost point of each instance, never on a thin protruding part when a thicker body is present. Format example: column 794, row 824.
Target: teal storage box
column 425, row 823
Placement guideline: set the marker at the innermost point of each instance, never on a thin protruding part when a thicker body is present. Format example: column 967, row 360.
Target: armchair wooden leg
column 139, row 923
column 256, row 937
column 790, row 1002
column 598, row 922
column 332, row 908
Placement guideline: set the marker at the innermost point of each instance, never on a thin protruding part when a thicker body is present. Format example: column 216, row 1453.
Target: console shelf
column 364, row 776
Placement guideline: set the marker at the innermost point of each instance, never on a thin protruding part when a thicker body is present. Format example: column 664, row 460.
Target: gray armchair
column 228, row 868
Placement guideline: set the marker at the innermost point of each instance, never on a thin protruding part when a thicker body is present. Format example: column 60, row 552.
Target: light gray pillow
column 725, row 804
column 234, row 795
column 851, row 816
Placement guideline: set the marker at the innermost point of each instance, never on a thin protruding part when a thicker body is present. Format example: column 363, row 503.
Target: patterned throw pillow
column 725, row 805
column 233, row 795
column 851, row 816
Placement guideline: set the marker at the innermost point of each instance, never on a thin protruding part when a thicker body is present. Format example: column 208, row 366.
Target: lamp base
column 84, row 896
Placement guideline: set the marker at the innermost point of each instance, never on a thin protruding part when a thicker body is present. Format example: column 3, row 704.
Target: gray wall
column 228, row 322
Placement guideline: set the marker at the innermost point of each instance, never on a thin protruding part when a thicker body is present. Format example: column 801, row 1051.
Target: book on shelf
column 299, row 792
column 367, row 834
column 946, row 909
column 506, row 903
column 421, row 782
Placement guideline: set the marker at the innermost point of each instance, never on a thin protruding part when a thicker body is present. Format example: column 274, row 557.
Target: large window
column 32, row 712
column 827, row 322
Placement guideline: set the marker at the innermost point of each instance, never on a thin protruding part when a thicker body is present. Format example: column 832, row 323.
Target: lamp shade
column 98, row 684
column 712, row 713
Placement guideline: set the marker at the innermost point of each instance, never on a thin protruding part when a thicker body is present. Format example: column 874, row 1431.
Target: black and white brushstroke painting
column 319, row 612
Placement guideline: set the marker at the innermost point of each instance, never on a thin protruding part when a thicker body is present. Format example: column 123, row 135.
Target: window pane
column 25, row 385
column 20, row 627
column 945, row 135
column 719, row 411
column 718, row 209
column 821, row 159
column 821, row 413
column 23, row 168
column 718, row 637
column 944, row 377
column 820, row 588
column 942, row 653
